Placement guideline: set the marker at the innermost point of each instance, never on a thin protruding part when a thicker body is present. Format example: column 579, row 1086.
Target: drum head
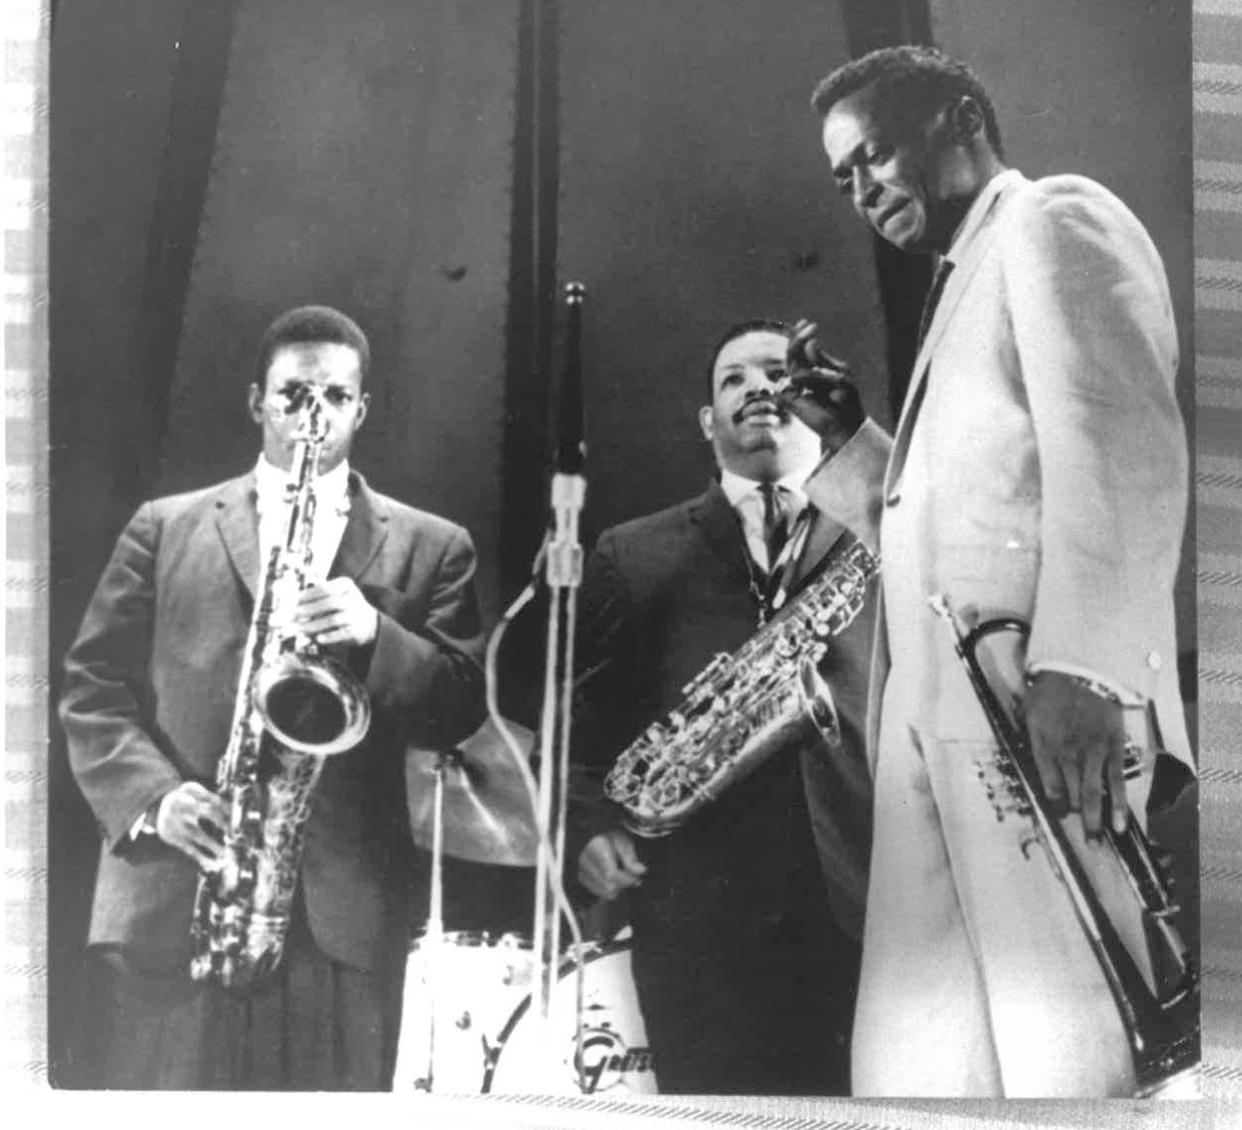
column 545, row 1058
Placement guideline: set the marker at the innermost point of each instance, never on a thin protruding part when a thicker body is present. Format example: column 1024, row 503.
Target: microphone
column 568, row 482
column 570, row 453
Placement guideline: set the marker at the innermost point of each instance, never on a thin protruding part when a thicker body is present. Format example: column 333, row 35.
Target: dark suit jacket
column 661, row 596
column 150, row 687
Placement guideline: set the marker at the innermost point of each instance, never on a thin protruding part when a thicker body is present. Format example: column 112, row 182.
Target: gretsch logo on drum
column 606, row 1061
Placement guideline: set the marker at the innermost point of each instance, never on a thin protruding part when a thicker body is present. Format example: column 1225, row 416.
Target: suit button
column 1154, row 660
column 893, row 498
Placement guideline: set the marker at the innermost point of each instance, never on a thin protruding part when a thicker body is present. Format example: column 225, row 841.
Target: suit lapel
column 713, row 515
column 823, row 534
column 956, row 286
column 237, row 521
column 365, row 531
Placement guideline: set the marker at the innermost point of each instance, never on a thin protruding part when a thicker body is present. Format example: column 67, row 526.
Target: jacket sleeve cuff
column 848, row 486
column 1123, row 694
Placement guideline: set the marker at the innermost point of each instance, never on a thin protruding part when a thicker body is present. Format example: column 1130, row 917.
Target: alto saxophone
column 1162, row 1027
column 743, row 708
column 295, row 707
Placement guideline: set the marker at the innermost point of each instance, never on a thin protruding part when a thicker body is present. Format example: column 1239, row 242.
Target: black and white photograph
column 595, row 564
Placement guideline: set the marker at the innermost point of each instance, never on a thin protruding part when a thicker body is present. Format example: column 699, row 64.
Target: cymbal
column 487, row 815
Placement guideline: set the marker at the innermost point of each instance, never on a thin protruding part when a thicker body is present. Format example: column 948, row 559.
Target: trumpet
column 1162, row 1027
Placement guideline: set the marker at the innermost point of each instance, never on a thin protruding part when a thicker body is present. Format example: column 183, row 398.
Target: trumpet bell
column 312, row 705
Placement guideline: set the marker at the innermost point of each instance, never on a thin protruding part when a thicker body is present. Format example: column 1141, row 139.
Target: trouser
column 773, row 1022
column 315, row 1024
column 745, row 981
column 977, row 979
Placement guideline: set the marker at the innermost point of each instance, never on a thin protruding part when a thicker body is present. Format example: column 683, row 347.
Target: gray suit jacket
column 151, row 682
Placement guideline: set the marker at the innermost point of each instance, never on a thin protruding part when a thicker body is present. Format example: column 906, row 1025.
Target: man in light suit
column 149, row 693
column 745, row 919
column 1039, row 471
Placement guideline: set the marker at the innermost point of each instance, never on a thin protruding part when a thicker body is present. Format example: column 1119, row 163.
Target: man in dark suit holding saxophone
column 746, row 919
column 150, row 690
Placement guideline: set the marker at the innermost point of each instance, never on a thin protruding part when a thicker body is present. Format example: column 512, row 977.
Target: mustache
column 760, row 400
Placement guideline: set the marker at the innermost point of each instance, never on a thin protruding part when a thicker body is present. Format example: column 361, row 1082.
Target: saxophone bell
column 764, row 699
column 311, row 704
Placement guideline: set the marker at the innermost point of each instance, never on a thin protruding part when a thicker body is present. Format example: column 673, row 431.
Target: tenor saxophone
column 295, row 707
column 1162, row 1021
column 743, row 708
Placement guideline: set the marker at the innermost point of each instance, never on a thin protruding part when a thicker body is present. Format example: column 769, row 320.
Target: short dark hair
column 911, row 81
column 741, row 329
column 312, row 325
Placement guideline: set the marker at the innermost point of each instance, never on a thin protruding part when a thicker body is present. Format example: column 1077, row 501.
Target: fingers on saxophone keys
column 203, row 847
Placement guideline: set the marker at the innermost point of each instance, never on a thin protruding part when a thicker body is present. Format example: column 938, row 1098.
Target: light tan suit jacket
column 1039, row 469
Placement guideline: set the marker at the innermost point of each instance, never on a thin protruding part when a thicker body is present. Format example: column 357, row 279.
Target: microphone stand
column 564, row 577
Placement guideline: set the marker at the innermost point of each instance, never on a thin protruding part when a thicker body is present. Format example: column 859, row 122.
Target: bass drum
column 615, row 1057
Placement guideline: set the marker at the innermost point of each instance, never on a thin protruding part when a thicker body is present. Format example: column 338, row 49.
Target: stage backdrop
column 693, row 194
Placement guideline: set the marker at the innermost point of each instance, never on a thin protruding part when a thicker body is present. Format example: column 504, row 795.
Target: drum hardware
column 489, row 1037
column 438, row 955
column 485, row 810
column 435, row 915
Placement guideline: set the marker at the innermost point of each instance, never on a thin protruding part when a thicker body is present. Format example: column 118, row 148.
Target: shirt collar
column 330, row 489
column 976, row 213
column 737, row 488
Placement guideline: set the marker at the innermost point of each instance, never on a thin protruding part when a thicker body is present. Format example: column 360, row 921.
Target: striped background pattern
column 1218, row 424
column 1218, row 482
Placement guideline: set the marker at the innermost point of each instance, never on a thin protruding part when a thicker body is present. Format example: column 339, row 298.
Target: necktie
column 775, row 524
column 943, row 269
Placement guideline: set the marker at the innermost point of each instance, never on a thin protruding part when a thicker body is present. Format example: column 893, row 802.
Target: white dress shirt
column 331, row 512
column 746, row 498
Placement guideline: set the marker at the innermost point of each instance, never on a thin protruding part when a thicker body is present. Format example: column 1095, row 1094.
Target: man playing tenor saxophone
column 746, row 917
column 153, row 698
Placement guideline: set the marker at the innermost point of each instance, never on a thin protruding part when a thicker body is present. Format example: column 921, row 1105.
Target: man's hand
column 609, row 864
column 1078, row 741
column 336, row 612
column 819, row 390
column 192, row 818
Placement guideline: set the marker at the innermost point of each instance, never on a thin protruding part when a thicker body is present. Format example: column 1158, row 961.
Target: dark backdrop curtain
column 694, row 193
